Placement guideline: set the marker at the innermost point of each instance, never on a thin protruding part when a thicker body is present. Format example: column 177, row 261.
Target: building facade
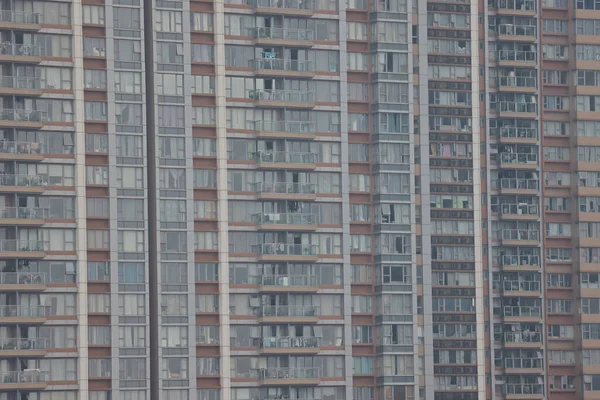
column 299, row 200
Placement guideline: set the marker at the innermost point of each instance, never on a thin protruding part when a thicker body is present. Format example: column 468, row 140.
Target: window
column 363, row 365
column 98, row 239
column 204, row 53
column 128, row 82
column 206, row 241
column 203, row 116
column 357, row 31
column 362, row 304
column 207, row 303
column 99, row 367
column 207, row 272
column 98, row 271
column 99, row 335
column 132, row 336
column 97, row 207
column 168, row 21
column 207, row 334
column 130, row 177
column 95, row 111
column 360, row 212
column 96, row 175
column 207, row 366
column 362, row 273
column 201, row 22
column 94, row 47
column 169, row 84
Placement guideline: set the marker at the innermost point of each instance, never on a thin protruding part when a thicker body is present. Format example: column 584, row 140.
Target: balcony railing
column 517, row 81
column 524, row 388
column 19, row 17
column 511, row 132
column 519, row 209
column 289, row 373
column 285, row 249
column 513, row 106
column 291, row 157
column 516, row 260
column 517, row 5
column 521, row 286
column 22, row 311
column 522, row 311
column 10, row 344
column 20, row 50
column 20, row 82
column 283, row 4
column 8, row 114
column 516, row 30
column 23, row 213
column 21, row 245
column 284, row 126
column 517, row 55
column 289, row 342
column 519, row 158
column 262, row 32
column 288, row 280
column 285, row 219
column 282, row 95
column 520, row 234
column 23, row 180
column 279, row 64
column 523, row 363
column 20, row 377
column 22, row 278
column 289, row 311
column 518, row 183
column 284, row 188
column 8, row 147
column 522, row 337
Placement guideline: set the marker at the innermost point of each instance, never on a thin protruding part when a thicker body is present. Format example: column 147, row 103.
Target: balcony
column 23, row 314
column 22, row 281
column 520, row 212
column 289, row 376
column 519, row 160
column 286, row 252
column 283, row 314
column 21, row 151
column 23, row 216
column 22, row 347
column 19, row 20
column 283, row 7
column 285, row 129
column 516, row 33
column 527, row 262
column 20, row 183
column 282, row 98
column 16, row 52
column 290, row 345
column 520, row 237
column 524, row 391
column 522, row 339
column 16, row 248
column 281, row 67
column 514, row 135
column 288, row 283
column 526, row 84
column 514, row 109
column 23, row 380
column 285, row 191
column 285, row 160
column 523, row 365
column 521, row 288
column 518, row 186
column 288, row 222
column 15, row 118
column 284, row 36
column 522, row 313
column 20, row 85
column 515, row 7
column 517, row 58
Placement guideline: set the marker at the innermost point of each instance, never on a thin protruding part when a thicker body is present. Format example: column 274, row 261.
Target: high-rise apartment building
column 299, row 200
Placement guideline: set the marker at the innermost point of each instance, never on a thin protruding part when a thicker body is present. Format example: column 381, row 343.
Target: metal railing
column 518, row 183
column 288, row 280
column 517, row 5
column 522, row 337
column 285, row 188
column 292, row 157
column 513, row 106
column 22, row 311
column 26, row 376
column 521, row 286
column 283, row 4
column 8, row 344
column 517, row 81
column 289, row 311
column 282, row 249
column 10, row 147
column 282, row 95
column 284, row 126
column 21, row 245
column 514, row 132
column 20, row 17
column 263, row 32
column 522, row 311
column 516, row 260
column 20, row 50
column 289, row 342
column 9, row 114
column 285, row 219
column 23, row 180
column 23, row 278
column 517, row 55
column 280, row 64
column 20, row 82
column 23, row 213
column 516, row 30
column 523, row 363
column 289, row 373
column 520, row 234
column 519, row 158
column 524, row 388
column 519, row 209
